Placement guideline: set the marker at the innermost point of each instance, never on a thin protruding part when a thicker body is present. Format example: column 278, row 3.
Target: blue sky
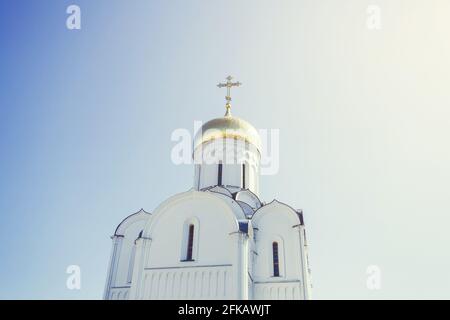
column 86, row 118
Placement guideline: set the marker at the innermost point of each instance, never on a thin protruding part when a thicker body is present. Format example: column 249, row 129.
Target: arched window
column 190, row 243
column 189, row 240
column 276, row 261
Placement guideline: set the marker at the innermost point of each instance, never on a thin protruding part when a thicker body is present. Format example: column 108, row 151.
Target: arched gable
column 249, row 197
column 136, row 217
column 171, row 248
column 277, row 222
column 123, row 256
column 232, row 209
column 221, row 190
column 276, row 207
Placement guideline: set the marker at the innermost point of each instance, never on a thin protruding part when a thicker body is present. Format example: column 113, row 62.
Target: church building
column 217, row 240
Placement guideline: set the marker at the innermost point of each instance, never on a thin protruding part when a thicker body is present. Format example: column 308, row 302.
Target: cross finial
column 228, row 85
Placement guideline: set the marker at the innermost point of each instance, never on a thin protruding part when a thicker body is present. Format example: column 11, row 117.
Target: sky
column 86, row 118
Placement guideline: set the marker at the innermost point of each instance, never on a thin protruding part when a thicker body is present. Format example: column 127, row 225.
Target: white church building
column 217, row 240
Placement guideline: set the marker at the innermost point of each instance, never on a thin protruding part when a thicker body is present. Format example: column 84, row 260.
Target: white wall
column 232, row 154
column 279, row 223
column 163, row 274
column 228, row 263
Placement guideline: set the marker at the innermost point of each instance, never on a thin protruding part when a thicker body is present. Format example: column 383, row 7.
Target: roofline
column 141, row 210
column 299, row 213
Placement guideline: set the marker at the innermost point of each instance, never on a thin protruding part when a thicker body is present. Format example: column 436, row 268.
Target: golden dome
column 228, row 127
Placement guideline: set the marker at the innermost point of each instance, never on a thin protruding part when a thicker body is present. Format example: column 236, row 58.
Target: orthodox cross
column 229, row 84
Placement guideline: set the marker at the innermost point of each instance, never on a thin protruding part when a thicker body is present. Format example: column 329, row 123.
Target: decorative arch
column 232, row 208
column 276, row 223
column 221, row 190
column 249, row 197
column 275, row 207
column 131, row 219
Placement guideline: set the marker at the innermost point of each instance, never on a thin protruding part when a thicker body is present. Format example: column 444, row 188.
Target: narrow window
column 190, row 243
column 219, row 175
column 243, row 175
column 276, row 264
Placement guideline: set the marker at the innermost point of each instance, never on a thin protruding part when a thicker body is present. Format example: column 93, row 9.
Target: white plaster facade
column 217, row 240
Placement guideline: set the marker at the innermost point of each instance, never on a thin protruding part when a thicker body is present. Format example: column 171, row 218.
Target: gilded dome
column 228, row 127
